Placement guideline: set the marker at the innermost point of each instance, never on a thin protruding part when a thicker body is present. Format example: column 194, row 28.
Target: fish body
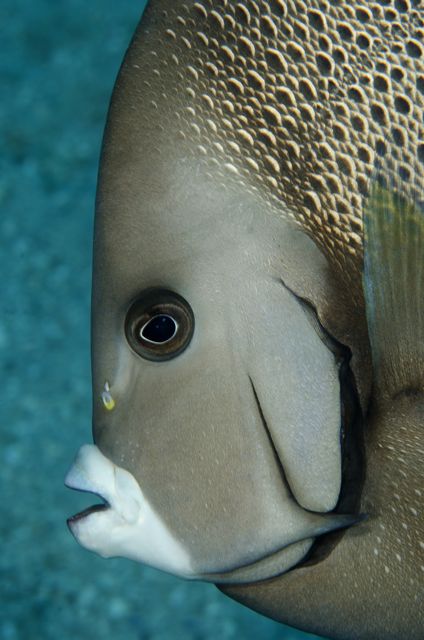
column 254, row 424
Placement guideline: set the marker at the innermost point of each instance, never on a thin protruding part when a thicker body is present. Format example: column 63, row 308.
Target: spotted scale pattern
column 296, row 99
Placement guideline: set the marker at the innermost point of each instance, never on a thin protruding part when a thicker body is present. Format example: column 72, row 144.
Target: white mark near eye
column 107, row 399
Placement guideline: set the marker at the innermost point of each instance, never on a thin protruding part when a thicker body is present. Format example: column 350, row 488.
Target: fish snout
column 125, row 525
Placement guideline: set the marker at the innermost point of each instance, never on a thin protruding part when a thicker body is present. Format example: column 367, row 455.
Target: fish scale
column 297, row 100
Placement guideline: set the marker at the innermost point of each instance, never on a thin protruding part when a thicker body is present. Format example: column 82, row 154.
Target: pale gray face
column 235, row 440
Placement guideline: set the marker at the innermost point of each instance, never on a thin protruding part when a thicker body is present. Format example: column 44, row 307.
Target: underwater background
column 58, row 61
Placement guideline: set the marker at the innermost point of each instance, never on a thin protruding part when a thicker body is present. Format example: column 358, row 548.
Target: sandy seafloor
column 58, row 62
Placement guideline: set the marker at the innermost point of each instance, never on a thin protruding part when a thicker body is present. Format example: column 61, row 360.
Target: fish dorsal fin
column 393, row 279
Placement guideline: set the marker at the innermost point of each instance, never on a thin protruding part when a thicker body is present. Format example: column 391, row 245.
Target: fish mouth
column 90, row 474
column 124, row 525
column 77, row 480
column 86, row 512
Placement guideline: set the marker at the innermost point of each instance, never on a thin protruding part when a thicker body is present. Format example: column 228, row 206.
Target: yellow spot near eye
column 107, row 399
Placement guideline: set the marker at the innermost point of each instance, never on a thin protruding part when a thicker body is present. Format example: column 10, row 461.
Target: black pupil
column 160, row 328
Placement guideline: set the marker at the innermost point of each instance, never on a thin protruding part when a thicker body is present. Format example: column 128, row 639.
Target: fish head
column 217, row 404
column 212, row 388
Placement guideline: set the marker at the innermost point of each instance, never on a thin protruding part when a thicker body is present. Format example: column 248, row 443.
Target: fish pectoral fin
column 393, row 279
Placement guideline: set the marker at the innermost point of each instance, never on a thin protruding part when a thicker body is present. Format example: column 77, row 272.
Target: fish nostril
column 107, row 398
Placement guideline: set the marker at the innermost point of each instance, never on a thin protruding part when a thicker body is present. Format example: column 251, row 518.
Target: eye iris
column 159, row 329
column 159, row 324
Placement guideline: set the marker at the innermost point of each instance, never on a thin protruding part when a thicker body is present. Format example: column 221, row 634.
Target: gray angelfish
column 258, row 385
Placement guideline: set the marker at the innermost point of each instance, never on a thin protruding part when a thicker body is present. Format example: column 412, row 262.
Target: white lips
column 127, row 526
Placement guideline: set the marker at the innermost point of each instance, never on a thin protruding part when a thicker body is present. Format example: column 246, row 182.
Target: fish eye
column 159, row 325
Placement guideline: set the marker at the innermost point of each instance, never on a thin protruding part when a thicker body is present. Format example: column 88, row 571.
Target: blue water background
column 58, row 61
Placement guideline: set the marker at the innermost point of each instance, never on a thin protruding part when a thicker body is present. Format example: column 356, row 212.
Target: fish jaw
column 126, row 526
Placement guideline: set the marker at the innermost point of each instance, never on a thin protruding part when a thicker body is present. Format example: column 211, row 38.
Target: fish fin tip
column 393, row 276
